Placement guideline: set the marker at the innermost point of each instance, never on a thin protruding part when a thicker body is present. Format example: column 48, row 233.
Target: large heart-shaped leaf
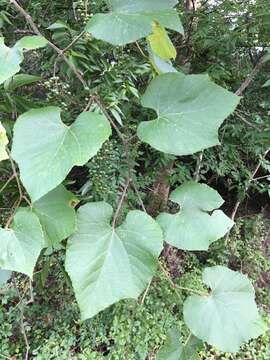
column 11, row 58
column 46, row 149
column 173, row 349
column 114, row 263
column 192, row 228
column 20, row 246
column 3, row 143
column 131, row 20
column 190, row 110
column 228, row 316
column 56, row 214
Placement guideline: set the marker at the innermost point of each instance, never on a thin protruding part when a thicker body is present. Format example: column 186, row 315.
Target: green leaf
column 31, row 42
column 192, row 228
column 190, row 110
column 20, row 246
column 267, row 83
column 3, row 143
column 115, row 263
column 46, row 149
column 228, row 317
column 20, row 80
column 173, row 349
column 58, row 25
column 56, row 214
column 160, row 43
column 131, row 20
column 5, row 275
column 10, row 59
column 161, row 66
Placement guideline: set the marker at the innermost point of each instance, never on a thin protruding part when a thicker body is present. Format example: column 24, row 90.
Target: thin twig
column 251, row 76
column 176, row 286
column 120, row 203
column 198, row 167
column 236, row 207
column 246, row 121
column 73, row 41
column 15, row 174
column 145, row 293
column 60, row 52
column 138, row 195
column 102, row 106
column 21, row 307
column 7, row 182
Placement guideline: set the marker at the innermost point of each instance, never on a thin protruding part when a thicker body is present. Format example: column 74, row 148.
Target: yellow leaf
column 160, row 42
column 3, row 143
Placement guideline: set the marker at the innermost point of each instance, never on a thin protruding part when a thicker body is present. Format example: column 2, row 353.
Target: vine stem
column 60, row 52
column 6, row 183
column 236, row 207
column 175, row 286
column 120, row 203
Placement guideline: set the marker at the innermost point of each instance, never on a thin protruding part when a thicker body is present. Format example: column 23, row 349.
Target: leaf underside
column 190, row 111
column 228, row 317
column 114, row 264
column 193, row 228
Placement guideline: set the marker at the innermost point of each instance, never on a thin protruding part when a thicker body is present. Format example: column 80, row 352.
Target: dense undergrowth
column 225, row 40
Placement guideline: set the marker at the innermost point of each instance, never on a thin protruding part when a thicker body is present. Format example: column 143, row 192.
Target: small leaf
column 267, row 83
column 31, row 42
column 129, row 21
column 228, row 317
column 160, row 43
column 114, row 264
column 173, row 349
column 192, row 228
column 58, row 25
column 56, row 215
column 5, row 275
column 190, row 110
column 10, row 59
column 161, row 66
column 20, row 80
column 3, row 143
column 46, row 149
column 20, row 246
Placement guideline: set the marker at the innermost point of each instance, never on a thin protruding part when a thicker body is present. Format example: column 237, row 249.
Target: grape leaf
column 192, row 228
column 160, row 43
column 131, row 20
column 31, row 42
column 46, row 149
column 190, row 110
column 56, row 214
column 173, row 349
column 11, row 58
column 3, row 143
column 115, row 263
column 228, row 316
column 20, row 80
column 20, row 246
